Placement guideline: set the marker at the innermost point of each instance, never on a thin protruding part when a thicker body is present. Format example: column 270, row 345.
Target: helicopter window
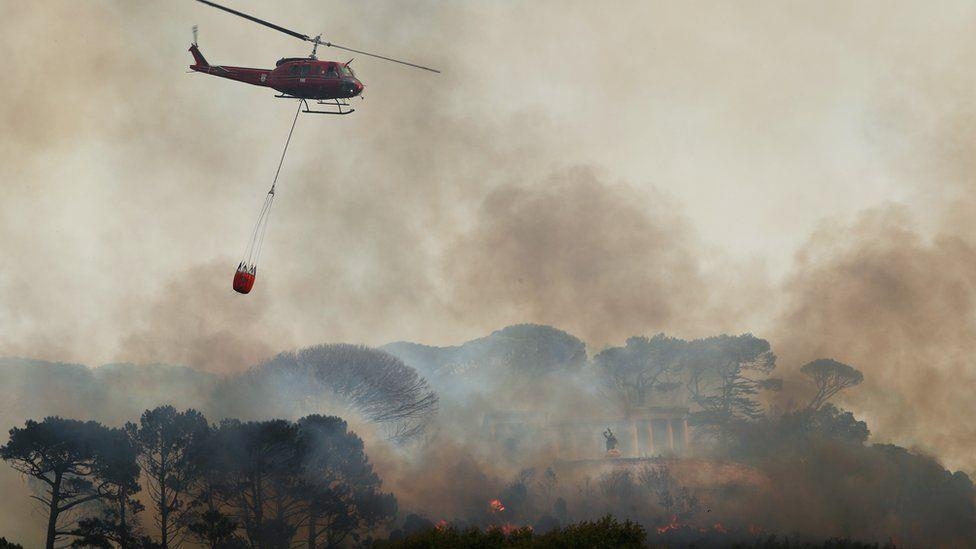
column 346, row 71
column 332, row 72
column 294, row 70
column 306, row 69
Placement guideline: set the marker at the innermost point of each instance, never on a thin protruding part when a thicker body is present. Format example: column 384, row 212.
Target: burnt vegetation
column 756, row 473
column 757, row 476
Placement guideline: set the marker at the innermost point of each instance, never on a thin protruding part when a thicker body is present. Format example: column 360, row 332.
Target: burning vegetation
column 516, row 439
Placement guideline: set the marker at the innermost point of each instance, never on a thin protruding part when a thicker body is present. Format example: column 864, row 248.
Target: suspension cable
column 287, row 141
column 253, row 251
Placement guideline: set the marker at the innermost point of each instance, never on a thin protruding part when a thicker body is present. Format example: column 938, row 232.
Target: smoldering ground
column 800, row 173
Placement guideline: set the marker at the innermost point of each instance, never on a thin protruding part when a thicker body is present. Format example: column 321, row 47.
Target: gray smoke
column 801, row 172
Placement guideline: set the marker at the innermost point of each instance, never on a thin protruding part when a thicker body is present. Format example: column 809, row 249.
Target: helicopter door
column 304, row 72
column 293, row 73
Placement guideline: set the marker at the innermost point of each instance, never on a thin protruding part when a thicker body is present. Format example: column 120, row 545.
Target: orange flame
column 673, row 525
column 496, row 506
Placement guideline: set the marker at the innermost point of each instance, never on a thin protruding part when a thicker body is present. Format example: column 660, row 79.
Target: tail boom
column 257, row 77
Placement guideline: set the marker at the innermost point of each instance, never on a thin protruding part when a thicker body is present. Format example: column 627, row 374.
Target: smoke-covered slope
column 109, row 393
column 522, row 348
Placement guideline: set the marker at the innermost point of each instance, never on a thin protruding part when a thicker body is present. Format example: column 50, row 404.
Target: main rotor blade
column 409, row 64
column 308, row 38
column 259, row 21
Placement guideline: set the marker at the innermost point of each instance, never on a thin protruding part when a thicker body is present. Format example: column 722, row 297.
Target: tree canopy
column 373, row 383
column 641, row 365
column 722, row 375
column 168, row 443
column 266, row 484
column 830, row 377
column 76, row 462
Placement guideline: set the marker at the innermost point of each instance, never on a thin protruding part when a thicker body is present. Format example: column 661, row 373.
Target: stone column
column 650, row 436
column 634, row 434
column 670, row 435
column 687, row 438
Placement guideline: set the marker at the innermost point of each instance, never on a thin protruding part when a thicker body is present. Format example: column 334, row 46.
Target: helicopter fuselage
column 299, row 77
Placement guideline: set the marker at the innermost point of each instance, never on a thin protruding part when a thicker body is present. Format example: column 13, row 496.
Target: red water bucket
column 244, row 279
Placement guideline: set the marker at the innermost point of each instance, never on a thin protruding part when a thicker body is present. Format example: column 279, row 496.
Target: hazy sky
column 798, row 170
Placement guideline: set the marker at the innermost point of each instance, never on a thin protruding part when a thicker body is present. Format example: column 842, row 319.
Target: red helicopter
column 326, row 82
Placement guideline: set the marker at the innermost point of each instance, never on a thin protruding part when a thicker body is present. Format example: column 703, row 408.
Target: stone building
column 649, row 431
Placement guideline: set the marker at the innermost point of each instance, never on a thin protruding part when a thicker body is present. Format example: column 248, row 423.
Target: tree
column 830, row 377
column 213, row 529
column 259, row 471
column 278, row 479
column 167, row 442
column 725, row 374
column 75, row 461
column 643, row 364
column 117, row 523
column 677, row 501
column 527, row 349
column 371, row 382
column 827, row 422
column 114, row 527
column 343, row 491
column 206, row 519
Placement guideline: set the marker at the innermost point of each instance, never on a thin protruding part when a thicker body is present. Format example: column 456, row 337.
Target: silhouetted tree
column 213, row 529
column 168, row 443
column 724, row 375
column 412, row 524
column 343, row 496
column 517, row 497
column 642, row 364
column 259, row 468
column 831, row 422
column 207, row 520
column 277, row 479
column 76, row 462
column 830, row 377
column 118, row 523
column 113, row 528
column 676, row 501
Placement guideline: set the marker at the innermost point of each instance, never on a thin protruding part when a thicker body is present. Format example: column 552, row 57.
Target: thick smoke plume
column 900, row 306
column 801, row 173
column 578, row 250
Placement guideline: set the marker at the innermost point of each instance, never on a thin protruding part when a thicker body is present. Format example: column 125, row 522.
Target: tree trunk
column 52, row 518
column 163, row 509
column 123, row 528
column 311, row 531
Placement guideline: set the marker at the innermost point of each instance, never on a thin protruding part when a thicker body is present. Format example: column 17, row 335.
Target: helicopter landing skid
column 339, row 104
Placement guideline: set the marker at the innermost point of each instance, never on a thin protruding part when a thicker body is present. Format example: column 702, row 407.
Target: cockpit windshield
column 346, row 71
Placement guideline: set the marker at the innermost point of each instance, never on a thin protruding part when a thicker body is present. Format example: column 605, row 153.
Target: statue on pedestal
column 612, row 443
